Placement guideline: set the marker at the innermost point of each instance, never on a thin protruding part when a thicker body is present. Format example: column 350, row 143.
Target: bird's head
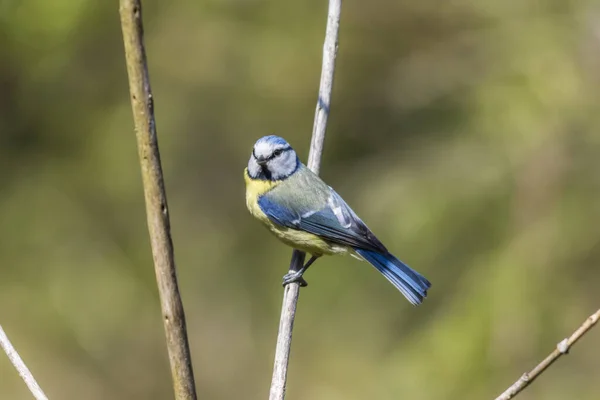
column 272, row 159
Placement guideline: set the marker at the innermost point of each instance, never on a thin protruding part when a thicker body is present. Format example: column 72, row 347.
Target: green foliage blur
column 464, row 133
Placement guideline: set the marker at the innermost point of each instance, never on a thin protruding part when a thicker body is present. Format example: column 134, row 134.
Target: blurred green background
column 465, row 133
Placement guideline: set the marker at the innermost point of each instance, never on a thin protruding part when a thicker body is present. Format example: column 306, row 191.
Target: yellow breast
column 254, row 189
column 292, row 237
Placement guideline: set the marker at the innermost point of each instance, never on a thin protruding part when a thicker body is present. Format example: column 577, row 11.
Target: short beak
column 261, row 161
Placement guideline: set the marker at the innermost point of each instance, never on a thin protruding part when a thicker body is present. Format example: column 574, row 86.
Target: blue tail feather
column 408, row 281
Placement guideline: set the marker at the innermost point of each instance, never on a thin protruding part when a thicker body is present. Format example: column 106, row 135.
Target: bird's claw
column 292, row 277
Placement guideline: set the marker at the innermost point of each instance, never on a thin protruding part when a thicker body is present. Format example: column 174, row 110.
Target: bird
column 305, row 213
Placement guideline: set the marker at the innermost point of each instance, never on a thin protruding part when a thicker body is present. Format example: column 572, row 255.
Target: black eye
column 277, row 152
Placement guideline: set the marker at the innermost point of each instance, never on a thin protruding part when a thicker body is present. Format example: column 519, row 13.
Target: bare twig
column 20, row 366
column 561, row 348
column 156, row 201
column 330, row 48
column 292, row 291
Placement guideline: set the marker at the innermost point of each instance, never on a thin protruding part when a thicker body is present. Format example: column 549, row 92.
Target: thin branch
column 20, row 366
column 561, row 348
column 292, row 291
column 330, row 48
column 156, row 201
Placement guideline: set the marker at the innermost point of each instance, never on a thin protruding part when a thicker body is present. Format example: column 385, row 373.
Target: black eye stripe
column 278, row 152
column 275, row 153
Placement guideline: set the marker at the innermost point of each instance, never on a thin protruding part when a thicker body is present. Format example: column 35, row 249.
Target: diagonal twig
column 20, row 366
column 292, row 291
column 561, row 348
column 156, row 201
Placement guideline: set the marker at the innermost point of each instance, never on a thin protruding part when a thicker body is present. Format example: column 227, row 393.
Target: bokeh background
column 465, row 133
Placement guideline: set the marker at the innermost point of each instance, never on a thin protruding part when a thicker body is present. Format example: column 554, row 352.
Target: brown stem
column 156, row 201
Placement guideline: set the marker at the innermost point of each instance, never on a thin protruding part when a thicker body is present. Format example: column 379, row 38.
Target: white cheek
column 284, row 166
column 253, row 167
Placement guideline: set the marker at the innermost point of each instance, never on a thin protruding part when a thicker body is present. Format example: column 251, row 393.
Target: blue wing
column 333, row 221
column 318, row 209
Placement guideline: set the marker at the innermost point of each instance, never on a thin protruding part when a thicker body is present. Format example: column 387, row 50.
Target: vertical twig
column 156, row 201
column 20, row 366
column 561, row 348
column 292, row 291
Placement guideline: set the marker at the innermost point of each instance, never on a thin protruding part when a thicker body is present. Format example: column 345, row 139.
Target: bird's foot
column 296, row 276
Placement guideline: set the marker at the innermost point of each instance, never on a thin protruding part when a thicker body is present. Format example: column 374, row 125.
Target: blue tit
column 306, row 214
